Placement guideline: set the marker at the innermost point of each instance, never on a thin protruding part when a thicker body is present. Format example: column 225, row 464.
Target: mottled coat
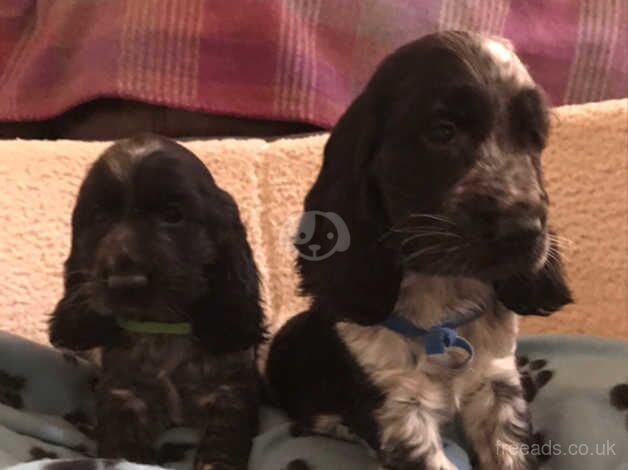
column 435, row 171
column 155, row 239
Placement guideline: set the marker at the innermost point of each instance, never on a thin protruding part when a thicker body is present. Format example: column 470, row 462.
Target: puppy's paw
column 405, row 461
column 535, row 374
column 124, row 439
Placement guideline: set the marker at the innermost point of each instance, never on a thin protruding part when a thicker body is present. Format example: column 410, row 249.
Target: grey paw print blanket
column 577, row 386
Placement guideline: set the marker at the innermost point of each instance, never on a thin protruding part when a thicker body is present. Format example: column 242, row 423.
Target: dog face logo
column 320, row 235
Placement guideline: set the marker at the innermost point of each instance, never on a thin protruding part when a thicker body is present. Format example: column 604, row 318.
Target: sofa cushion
column 586, row 170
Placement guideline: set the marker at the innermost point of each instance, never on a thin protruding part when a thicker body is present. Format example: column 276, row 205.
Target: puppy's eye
column 441, row 132
column 171, row 214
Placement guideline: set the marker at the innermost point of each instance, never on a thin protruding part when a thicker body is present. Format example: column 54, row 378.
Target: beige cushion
column 586, row 169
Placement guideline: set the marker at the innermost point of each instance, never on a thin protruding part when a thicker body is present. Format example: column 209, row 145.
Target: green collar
column 153, row 327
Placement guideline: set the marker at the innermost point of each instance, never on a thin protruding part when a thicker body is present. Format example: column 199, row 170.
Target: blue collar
column 439, row 337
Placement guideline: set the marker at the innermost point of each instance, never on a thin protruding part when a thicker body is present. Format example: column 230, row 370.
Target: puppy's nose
column 518, row 230
column 122, row 271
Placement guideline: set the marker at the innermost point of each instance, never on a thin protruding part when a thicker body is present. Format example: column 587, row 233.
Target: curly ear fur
column 541, row 293
column 229, row 318
column 73, row 325
column 361, row 283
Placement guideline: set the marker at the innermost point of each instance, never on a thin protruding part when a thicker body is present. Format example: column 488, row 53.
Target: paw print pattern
column 80, row 421
column 538, row 440
column 298, row 464
column 534, row 375
column 619, row 398
column 11, row 387
column 37, row 453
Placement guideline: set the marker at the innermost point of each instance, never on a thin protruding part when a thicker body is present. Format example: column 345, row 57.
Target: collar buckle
column 437, row 339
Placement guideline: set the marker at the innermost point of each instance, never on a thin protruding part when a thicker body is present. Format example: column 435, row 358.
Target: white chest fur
column 422, row 392
column 400, row 365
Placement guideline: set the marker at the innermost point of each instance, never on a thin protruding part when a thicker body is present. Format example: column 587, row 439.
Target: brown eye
column 441, row 132
column 171, row 214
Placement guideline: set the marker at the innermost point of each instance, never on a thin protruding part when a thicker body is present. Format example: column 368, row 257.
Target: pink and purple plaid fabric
column 300, row 60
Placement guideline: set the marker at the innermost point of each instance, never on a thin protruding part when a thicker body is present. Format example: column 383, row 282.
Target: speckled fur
column 163, row 382
column 422, row 393
column 149, row 210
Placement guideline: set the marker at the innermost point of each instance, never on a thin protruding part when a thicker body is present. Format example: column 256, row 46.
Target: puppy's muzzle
column 518, row 230
column 487, row 220
column 119, row 262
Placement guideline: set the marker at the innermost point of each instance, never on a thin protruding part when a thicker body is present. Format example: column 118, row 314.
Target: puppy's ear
column 229, row 318
column 540, row 293
column 73, row 325
column 359, row 283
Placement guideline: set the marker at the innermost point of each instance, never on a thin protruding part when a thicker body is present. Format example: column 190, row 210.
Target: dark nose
column 120, row 264
column 511, row 224
column 124, row 272
column 518, row 230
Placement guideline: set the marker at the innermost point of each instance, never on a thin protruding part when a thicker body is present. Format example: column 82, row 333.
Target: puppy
column 435, row 170
column 161, row 277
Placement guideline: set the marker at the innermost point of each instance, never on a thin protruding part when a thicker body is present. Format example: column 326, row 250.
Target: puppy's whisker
column 450, row 258
column 553, row 268
column 565, row 244
column 437, row 248
column 421, row 228
column 429, row 234
column 556, row 255
column 561, row 238
column 438, row 218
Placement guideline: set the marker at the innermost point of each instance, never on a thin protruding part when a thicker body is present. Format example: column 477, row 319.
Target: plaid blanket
column 301, row 60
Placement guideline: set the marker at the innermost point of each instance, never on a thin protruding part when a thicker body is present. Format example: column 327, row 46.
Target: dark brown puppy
column 435, row 173
column 154, row 239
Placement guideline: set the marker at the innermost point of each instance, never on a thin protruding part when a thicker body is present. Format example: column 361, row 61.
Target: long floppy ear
column 73, row 325
column 230, row 317
column 359, row 283
column 540, row 293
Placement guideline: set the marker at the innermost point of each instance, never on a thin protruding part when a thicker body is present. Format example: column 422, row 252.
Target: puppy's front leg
column 232, row 418
column 496, row 419
column 410, row 429
column 128, row 424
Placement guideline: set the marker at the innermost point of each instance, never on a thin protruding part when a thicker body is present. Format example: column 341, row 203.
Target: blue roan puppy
column 435, row 170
